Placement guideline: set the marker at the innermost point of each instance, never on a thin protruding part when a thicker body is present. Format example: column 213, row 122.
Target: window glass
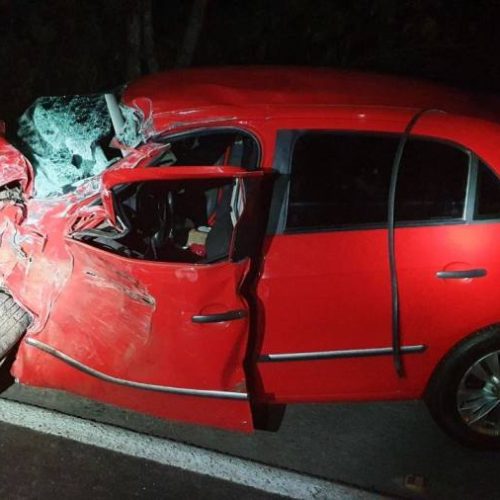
column 432, row 181
column 227, row 147
column 488, row 194
column 340, row 179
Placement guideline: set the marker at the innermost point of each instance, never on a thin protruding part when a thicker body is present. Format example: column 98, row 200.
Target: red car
column 283, row 235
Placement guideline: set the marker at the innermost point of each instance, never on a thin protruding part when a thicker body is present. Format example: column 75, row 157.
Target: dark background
column 56, row 47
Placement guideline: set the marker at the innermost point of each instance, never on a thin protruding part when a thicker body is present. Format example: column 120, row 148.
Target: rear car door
column 326, row 280
column 153, row 317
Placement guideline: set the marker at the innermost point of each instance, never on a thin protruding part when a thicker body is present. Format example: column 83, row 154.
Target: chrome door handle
column 460, row 275
column 219, row 317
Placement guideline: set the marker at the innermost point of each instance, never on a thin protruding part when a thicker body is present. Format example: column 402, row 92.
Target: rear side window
column 432, row 182
column 341, row 180
column 488, row 194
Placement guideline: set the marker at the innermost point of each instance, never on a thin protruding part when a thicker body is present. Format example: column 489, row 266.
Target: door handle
column 219, row 317
column 460, row 275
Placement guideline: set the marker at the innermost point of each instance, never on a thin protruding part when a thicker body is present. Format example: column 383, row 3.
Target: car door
column 154, row 317
column 326, row 281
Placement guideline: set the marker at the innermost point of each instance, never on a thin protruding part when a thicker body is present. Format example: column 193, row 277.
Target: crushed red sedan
column 276, row 235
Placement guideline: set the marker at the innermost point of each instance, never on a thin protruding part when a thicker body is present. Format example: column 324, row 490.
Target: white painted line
column 190, row 458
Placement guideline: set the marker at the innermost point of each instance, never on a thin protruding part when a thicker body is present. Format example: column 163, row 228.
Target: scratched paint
column 97, row 295
column 127, row 318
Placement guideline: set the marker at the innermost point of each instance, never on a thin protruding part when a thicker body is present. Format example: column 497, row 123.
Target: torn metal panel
column 15, row 168
column 35, row 263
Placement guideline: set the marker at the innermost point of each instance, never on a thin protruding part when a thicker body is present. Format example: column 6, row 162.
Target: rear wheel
column 14, row 321
column 464, row 393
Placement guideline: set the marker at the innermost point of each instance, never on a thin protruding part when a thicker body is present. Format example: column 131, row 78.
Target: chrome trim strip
column 471, row 187
column 129, row 383
column 347, row 353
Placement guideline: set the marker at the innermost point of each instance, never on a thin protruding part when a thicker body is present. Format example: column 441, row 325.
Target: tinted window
column 226, row 147
column 432, row 181
column 343, row 180
column 339, row 179
column 488, row 194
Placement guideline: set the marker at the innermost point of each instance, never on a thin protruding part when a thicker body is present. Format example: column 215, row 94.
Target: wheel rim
column 478, row 395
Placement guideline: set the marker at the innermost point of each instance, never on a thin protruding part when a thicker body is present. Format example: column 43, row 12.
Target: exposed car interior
column 219, row 147
column 173, row 221
column 181, row 221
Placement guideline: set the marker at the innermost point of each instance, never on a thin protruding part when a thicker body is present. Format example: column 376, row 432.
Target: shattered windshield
column 67, row 139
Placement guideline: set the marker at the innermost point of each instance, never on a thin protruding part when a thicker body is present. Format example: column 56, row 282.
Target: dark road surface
column 38, row 466
column 374, row 446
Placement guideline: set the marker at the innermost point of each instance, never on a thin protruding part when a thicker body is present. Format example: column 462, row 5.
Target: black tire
column 14, row 321
column 442, row 396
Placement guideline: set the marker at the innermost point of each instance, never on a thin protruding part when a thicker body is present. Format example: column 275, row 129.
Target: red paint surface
column 132, row 320
column 317, row 292
column 15, row 167
column 184, row 97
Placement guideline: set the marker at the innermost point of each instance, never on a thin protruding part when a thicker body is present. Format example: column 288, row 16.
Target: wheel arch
column 474, row 337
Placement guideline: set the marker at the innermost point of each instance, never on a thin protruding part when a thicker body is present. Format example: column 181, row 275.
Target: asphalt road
column 40, row 466
column 392, row 448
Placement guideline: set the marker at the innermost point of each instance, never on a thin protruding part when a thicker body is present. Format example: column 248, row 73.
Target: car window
column 432, row 181
column 339, row 179
column 221, row 147
column 488, row 194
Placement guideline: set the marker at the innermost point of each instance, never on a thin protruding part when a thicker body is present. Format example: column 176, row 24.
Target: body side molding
column 130, row 383
column 347, row 353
